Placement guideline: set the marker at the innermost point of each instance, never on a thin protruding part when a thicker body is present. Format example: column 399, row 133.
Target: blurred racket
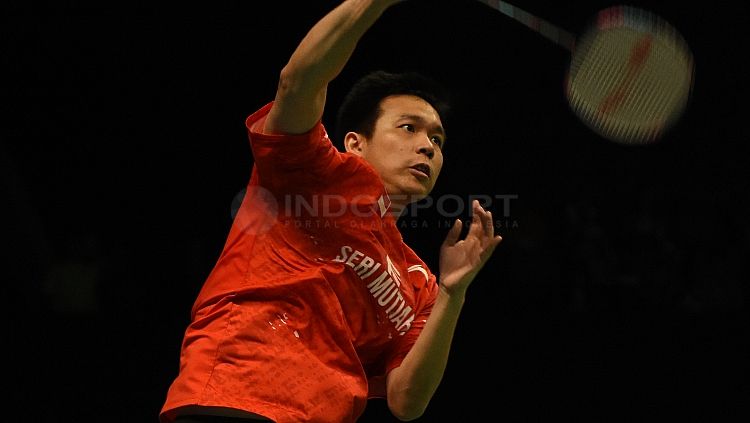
column 630, row 74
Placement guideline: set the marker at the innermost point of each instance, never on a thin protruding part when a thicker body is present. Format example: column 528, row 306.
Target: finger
column 486, row 228
column 453, row 233
column 494, row 242
column 487, row 251
column 487, row 224
column 476, row 220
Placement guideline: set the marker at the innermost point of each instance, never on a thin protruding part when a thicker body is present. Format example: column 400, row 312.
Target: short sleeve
column 305, row 155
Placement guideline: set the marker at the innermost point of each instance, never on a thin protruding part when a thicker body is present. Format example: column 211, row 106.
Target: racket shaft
column 550, row 31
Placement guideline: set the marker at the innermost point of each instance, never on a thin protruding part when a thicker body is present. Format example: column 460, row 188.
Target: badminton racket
column 630, row 73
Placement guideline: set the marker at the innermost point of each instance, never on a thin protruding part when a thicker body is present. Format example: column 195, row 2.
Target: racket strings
column 631, row 72
column 630, row 78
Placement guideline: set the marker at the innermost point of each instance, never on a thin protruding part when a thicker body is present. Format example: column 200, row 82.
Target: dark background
column 619, row 291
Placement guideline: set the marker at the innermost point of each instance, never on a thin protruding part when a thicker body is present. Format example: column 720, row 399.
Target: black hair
column 360, row 107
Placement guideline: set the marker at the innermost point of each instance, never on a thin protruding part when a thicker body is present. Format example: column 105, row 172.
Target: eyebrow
column 423, row 121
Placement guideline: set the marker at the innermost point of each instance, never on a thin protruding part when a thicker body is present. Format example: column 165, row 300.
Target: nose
column 426, row 147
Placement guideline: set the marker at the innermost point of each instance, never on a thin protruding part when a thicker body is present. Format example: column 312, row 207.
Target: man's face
column 405, row 148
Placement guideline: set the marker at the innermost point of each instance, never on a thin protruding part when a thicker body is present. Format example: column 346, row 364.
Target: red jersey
column 315, row 296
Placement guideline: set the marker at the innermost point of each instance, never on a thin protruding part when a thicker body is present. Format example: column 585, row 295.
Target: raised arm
column 318, row 59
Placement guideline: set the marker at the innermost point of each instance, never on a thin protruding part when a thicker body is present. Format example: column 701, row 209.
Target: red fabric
column 314, row 297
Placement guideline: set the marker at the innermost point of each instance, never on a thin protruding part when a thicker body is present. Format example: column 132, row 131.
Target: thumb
column 453, row 234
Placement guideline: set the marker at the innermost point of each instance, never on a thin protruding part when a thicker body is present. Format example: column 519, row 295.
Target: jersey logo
column 383, row 204
column 383, row 283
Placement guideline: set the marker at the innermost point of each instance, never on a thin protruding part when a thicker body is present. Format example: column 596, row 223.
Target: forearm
column 318, row 59
column 412, row 385
column 327, row 47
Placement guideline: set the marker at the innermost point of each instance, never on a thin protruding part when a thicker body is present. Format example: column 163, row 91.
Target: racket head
column 630, row 75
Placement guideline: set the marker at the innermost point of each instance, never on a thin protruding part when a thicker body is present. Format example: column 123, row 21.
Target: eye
column 439, row 141
column 409, row 127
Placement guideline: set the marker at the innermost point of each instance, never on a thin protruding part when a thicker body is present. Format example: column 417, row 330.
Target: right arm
column 318, row 59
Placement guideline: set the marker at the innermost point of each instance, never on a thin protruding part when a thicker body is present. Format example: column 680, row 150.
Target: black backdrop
column 620, row 288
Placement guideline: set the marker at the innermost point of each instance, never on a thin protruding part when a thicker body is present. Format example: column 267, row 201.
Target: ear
column 354, row 143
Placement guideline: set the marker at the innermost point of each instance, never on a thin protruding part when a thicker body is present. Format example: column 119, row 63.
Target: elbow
column 287, row 81
column 405, row 409
column 295, row 80
column 407, row 415
column 408, row 396
column 303, row 87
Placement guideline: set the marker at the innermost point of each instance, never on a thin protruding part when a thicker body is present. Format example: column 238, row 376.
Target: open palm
column 461, row 260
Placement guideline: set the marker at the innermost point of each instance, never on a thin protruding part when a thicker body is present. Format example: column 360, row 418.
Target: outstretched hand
column 461, row 260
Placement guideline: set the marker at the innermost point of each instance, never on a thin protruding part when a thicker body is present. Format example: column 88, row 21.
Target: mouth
column 422, row 169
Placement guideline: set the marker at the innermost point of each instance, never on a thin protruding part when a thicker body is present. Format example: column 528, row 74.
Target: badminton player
column 316, row 304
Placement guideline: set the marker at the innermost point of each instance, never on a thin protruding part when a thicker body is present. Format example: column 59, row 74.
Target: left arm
column 411, row 385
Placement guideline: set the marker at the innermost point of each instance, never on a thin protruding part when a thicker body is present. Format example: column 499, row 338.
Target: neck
column 399, row 203
column 396, row 210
